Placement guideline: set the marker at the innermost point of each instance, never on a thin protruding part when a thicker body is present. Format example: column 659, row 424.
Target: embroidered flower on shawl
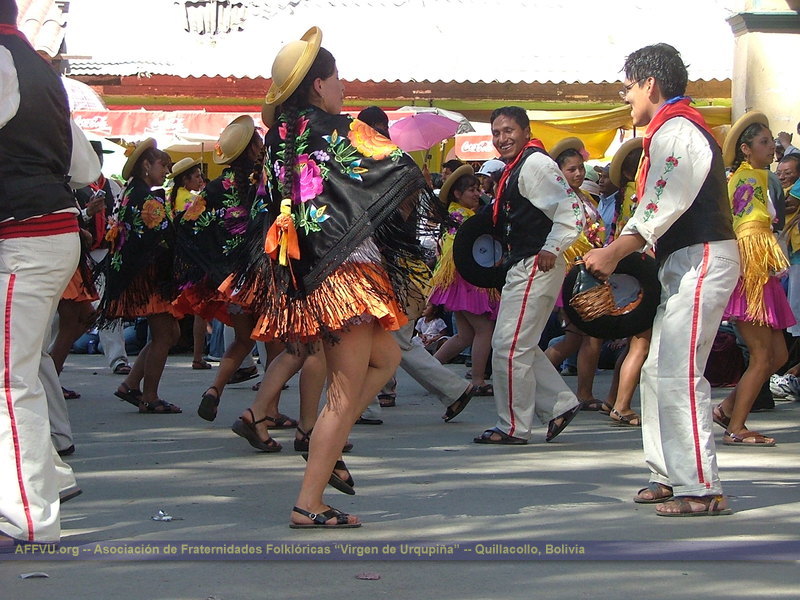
column 235, row 219
column 346, row 155
column 228, row 181
column 153, row 213
column 194, row 208
column 302, row 123
column 743, row 197
column 317, row 215
column 368, row 141
column 307, row 179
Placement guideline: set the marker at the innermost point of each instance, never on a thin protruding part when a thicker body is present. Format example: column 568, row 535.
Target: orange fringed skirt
column 131, row 304
column 201, row 300
column 352, row 294
column 79, row 289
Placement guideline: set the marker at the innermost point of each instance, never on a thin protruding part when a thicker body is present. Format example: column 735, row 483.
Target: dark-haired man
column 39, row 251
column 540, row 217
column 684, row 212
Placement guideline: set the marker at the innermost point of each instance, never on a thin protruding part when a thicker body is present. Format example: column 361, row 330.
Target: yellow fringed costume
column 761, row 256
column 593, row 234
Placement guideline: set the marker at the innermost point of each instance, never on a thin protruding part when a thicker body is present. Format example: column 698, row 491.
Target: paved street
column 419, row 482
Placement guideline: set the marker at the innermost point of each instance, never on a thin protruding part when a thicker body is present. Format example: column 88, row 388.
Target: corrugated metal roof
column 402, row 40
column 43, row 23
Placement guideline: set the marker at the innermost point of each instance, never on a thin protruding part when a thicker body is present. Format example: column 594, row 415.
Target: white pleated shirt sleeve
column 680, row 160
column 543, row 184
column 9, row 87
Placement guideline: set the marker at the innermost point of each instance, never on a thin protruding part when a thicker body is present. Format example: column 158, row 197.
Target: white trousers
column 112, row 338
column 33, row 274
column 696, row 283
column 426, row 371
column 525, row 382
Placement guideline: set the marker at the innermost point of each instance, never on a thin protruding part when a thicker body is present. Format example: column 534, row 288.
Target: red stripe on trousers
column 9, row 405
column 514, row 345
column 692, row 355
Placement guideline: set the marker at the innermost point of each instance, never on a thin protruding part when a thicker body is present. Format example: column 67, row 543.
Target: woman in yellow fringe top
column 758, row 304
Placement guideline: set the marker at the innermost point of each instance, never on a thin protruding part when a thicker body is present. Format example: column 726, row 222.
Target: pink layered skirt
column 461, row 295
column 779, row 313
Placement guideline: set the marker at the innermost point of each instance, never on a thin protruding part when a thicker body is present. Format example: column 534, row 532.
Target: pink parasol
column 422, row 131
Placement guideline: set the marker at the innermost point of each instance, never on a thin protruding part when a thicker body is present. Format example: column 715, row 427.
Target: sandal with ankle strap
column 208, row 404
column 343, row 485
column 248, row 431
column 129, row 395
column 159, row 407
column 301, row 445
column 281, row 421
column 320, row 520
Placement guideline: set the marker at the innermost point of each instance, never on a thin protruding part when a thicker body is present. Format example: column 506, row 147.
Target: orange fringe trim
column 78, row 290
column 352, row 291
column 201, row 300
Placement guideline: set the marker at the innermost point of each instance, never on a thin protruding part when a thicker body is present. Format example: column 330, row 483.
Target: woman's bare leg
column 73, row 321
column 164, row 334
column 358, row 366
column 453, row 347
column 483, row 329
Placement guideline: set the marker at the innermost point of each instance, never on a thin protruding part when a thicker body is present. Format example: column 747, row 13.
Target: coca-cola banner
column 475, row 146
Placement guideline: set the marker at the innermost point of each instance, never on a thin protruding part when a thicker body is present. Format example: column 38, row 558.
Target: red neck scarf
column 674, row 108
column 6, row 29
column 501, row 186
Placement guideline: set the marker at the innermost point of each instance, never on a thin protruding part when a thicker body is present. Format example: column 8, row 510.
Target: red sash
column 678, row 108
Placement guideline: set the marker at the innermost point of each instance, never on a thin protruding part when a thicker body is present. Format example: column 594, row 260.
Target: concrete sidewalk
column 418, row 480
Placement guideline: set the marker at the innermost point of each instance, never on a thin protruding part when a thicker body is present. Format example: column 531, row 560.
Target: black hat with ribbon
column 479, row 252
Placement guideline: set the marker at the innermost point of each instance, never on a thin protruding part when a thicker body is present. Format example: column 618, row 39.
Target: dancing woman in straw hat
column 474, row 308
column 340, row 252
column 187, row 181
column 758, row 305
column 139, row 273
column 211, row 230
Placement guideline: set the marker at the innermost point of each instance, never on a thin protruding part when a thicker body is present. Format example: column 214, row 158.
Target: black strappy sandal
column 320, row 520
column 208, row 404
column 301, row 445
column 346, row 486
column 129, row 395
column 248, row 432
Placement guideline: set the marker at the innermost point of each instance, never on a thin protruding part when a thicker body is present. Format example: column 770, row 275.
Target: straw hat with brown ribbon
column 234, row 140
column 134, row 152
column 454, row 176
column 737, row 129
column 615, row 170
column 289, row 68
column 182, row 166
column 568, row 143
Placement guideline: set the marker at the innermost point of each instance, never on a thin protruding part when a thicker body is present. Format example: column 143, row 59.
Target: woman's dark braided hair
column 324, row 66
column 244, row 171
column 747, row 137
